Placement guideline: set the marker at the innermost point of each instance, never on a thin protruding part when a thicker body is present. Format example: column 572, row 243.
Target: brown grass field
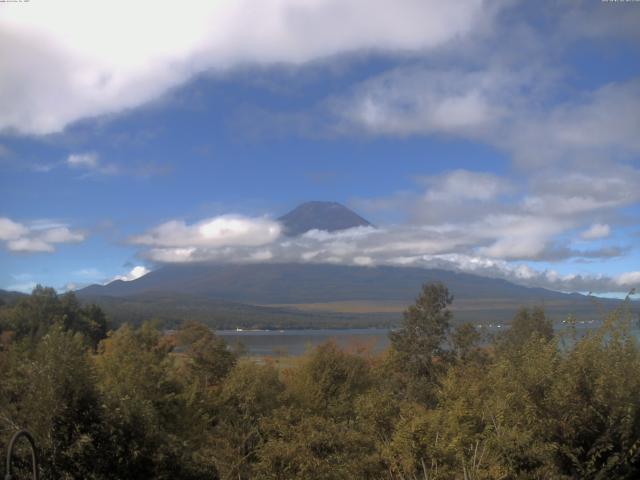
column 369, row 306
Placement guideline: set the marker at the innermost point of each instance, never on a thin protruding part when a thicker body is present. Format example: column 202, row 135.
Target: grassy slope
column 172, row 309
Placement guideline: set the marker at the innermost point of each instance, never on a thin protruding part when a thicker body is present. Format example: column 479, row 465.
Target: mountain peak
column 329, row 216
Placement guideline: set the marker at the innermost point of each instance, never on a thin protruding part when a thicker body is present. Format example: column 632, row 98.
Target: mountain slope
column 8, row 297
column 305, row 295
column 174, row 308
column 295, row 293
column 329, row 216
column 272, row 283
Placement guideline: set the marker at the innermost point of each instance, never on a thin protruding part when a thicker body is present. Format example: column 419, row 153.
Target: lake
column 296, row 342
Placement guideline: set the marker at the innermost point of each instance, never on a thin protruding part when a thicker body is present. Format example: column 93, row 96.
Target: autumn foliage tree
column 440, row 403
column 418, row 350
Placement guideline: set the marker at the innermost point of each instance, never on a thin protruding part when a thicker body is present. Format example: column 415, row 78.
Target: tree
column 418, row 346
column 32, row 316
column 306, row 446
column 147, row 416
column 249, row 394
column 51, row 391
column 209, row 359
column 328, row 381
column 464, row 340
column 525, row 326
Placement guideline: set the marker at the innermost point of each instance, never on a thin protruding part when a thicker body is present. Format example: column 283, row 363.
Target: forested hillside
column 134, row 403
column 279, row 295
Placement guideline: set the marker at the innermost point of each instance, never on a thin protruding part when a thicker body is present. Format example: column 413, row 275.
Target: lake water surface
column 296, row 342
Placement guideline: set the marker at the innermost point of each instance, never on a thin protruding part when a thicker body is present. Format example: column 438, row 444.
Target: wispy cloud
column 90, row 163
column 37, row 237
column 412, row 100
column 93, row 165
column 595, row 231
column 83, row 160
column 500, row 107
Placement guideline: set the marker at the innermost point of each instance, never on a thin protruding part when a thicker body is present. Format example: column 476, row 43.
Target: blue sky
column 498, row 138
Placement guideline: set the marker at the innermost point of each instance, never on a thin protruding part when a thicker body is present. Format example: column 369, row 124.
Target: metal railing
column 34, row 454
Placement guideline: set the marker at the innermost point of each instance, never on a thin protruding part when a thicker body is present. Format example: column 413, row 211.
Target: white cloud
column 500, row 106
column 171, row 255
column 481, row 224
column 57, row 70
column 450, row 197
column 460, row 213
column 595, row 127
column 519, row 235
column 464, row 185
column 10, row 230
column 82, row 160
column 511, row 95
column 363, row 261
column 261, row 255
column 533, row 220
column 135, row 273
column 629, row 279
column 596, row 231
column 176, row 238
column 398, row 246
column 29, row 245
column 90, row 163
column 579, row 142
column 418, row 100
column 579, row 147
column 60, row 67
column 37, row 237
column 61, row 235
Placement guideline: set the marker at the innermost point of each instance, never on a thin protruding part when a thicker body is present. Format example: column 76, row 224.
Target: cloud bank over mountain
column 478, row 247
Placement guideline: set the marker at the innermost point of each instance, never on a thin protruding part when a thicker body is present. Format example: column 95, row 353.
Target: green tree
column 418, row 347
column 51, row 391
column 311, row 447
column 524, row 326
column 465, row 340
column 328, row 380
column 208, row 358
column 148, row 416
column 595, row 419
column 32, row 316
column 248, row 395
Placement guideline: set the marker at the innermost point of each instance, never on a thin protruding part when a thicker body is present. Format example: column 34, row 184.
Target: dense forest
column 440, row 403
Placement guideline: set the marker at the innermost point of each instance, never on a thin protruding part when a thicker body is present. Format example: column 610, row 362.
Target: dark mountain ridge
column 8, row 297
column 287, row 295
column 292, row 283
